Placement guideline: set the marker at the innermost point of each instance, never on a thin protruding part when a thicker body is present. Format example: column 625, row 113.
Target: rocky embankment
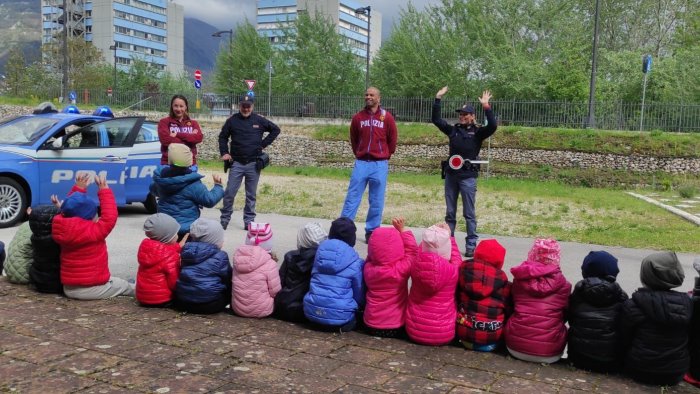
column 298, row 149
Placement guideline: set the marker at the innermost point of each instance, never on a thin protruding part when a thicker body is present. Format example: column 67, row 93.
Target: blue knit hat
column 343, row 229
column 599, row 264
column 80, row 205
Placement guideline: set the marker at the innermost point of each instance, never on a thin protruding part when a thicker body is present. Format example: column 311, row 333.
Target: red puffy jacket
column 159, row 267
column 540, row 297
column 84, row 260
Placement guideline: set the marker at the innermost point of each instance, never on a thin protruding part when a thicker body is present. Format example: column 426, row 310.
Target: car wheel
column 13, row 202
column 150, row 203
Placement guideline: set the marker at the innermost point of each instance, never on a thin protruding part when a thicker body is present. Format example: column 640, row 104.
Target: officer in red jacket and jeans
column 373, row 137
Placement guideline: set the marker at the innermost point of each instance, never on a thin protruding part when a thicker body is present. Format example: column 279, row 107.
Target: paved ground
column 49, row 344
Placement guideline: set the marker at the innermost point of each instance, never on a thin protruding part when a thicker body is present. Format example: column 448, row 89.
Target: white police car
column 41, row 153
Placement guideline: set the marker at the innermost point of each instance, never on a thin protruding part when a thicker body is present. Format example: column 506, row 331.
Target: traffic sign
column 72, row 96
column 197, row 75
column 198, row 84
column 109, row 92
column 250, row 83
column 646, row 64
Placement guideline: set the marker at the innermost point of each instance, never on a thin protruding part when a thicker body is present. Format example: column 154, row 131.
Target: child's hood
column 430, row 269
column 490, row 252
column 600, row 292
column 539, row 279
column 480, row 279
column 666, row 307
column 196, row 252
column 172, row 185
column 385, row 246
column 248, row 258
column 333, row 256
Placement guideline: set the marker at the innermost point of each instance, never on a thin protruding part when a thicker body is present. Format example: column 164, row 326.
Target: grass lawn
column 504, row 207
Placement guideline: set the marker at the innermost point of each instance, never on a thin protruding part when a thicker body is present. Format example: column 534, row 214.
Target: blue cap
column 248, row 98
column 71, row 109
column 103, row 111
column 79, row 205
column 466, row 108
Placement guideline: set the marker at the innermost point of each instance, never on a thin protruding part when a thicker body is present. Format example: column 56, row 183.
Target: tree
column 244, row 59
column 15, row 71
column 315, row 59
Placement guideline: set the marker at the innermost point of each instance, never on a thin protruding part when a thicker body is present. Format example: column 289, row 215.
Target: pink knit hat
column 259, row 234
column 544, row 251
column 437, row 240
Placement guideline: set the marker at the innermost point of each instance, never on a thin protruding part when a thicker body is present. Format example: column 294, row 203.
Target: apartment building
column 272, row 15
column 151, row 30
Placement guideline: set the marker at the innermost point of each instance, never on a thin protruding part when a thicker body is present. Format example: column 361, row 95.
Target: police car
column 41, row 154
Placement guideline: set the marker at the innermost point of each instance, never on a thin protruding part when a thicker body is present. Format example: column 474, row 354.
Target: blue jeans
column 373, row 173
column 236, row 174
column 467, row 188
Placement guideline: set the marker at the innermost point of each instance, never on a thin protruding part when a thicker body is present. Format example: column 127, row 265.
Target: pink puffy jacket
column 390, row 255
column 432, row 310
column 256, row 281
column 540, row 297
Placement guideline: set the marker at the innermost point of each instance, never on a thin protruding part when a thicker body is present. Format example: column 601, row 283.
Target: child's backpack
column 259, row 233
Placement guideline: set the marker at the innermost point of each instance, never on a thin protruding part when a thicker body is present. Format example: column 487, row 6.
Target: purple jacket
column 540, row 297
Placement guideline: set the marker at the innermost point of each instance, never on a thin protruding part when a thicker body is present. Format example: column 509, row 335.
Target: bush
column 687, row 191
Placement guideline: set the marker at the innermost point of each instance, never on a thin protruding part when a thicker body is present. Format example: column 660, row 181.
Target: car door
column 100, row 149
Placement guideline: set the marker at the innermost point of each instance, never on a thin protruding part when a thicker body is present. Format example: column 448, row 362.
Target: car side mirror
column 57, row 143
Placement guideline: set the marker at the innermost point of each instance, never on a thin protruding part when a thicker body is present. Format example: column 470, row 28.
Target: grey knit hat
column 311, row 235
column 161, row 227
column 661, row 271
column 208, row 231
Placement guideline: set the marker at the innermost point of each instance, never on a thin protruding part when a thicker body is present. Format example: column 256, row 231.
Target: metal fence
column 608, row 115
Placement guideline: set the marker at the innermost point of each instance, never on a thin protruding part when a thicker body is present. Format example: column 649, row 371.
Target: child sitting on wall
column 159, row 261
column 536, row 331
column 594, row 311
column 654, row 323
column 82, row 236
column 431, row 312
column 483, row 297
column 336, row 294
column 204, row 284
column 295, row 273
column 256, row 280
column 391, row 252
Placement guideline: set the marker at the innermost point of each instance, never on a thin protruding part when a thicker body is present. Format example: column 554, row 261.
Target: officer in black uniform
column 246, row 131
column 466, row 138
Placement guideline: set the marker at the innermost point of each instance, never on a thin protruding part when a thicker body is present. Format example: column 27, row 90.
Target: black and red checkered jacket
column 483, row 295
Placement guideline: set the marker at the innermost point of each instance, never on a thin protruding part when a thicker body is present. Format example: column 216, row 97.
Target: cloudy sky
column 225, row 14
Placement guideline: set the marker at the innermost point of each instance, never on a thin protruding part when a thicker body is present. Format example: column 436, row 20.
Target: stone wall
column 297, row 150
column 294, row 150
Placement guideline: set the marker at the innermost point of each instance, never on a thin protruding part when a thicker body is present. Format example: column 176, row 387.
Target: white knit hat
column 311, row 235
column 259, row 234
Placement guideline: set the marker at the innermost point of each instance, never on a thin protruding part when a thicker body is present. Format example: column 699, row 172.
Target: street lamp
column 366, row 11
column 114, row 48
column 230, row 48
column 594, row 55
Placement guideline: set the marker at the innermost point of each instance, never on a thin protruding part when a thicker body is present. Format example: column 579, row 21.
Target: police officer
column 465, row 140
column 245, row 129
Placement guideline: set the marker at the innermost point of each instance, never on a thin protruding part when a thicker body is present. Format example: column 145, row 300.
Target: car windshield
column 24, row 130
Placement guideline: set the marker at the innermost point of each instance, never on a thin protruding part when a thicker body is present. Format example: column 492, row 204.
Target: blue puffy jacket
column 181, row 196
column 205, row 273
column 337, row 290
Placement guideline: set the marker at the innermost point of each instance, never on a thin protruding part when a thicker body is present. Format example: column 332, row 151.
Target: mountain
column 200, row 47
column 20, row 25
